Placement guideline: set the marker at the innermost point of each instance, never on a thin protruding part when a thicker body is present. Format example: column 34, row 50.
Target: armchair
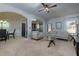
column 37, row 35
column 12, row 34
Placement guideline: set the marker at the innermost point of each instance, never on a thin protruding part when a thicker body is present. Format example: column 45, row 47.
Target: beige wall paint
column 14, row 20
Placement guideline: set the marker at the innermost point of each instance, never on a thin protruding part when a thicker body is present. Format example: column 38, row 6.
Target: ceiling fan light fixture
column 46, row 9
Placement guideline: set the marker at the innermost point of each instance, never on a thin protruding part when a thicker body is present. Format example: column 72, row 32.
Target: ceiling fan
column 46, row 7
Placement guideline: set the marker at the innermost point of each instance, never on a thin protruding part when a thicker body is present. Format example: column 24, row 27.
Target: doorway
column 23, row 30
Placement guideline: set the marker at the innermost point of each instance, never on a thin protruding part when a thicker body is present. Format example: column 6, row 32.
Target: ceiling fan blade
column 52, row 6
column 41, row 10
column 44, row 5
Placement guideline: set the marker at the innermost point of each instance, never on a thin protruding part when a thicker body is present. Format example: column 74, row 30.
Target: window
column 4, row 24
column 71, row 27
column 49, row 27
column 37, row 26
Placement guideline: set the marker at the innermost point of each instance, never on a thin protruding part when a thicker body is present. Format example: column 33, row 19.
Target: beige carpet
column 24, row 47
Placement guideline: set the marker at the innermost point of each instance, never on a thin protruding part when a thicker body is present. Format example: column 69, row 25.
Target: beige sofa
column 63, row 35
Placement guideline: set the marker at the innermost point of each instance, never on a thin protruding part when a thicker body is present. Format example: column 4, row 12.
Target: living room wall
column 63, row 21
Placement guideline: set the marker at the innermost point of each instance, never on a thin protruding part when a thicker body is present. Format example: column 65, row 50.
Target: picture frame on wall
column 58, row 25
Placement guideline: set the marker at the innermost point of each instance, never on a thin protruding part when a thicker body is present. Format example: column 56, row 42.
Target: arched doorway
column 15, row 21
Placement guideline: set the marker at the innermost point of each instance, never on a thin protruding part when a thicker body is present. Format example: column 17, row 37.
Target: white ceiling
column 62, row 9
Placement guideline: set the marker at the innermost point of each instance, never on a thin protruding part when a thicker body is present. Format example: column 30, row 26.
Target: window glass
column 49, row 27
column 4, row 24
column 71, row 27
